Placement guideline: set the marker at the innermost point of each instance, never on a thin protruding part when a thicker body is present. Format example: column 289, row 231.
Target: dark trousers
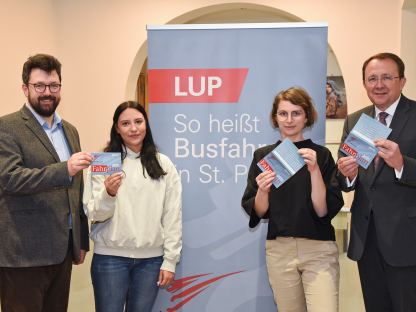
column 385, row 288
column 36, row 289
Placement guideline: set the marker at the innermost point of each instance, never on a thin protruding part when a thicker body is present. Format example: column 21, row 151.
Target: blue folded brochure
column 360, row 141
column 284, row 160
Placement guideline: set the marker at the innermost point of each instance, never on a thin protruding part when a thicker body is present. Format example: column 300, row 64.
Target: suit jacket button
column 366, row 217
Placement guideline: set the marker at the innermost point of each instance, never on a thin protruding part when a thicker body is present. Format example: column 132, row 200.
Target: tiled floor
column 81, row 297
column 351, row 299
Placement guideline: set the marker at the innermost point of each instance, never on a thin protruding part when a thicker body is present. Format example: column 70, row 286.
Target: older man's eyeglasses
column 41, row 87
column 385, row 79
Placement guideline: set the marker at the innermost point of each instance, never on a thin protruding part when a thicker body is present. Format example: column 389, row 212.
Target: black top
column 291, row 212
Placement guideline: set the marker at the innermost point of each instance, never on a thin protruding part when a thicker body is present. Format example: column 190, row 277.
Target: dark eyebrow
column 296, row 110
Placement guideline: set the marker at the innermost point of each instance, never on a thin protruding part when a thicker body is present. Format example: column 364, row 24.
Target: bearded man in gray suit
column 43, row 228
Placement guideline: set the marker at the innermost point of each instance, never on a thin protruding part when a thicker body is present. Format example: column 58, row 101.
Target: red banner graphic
column 187, row 294
column 219, row 85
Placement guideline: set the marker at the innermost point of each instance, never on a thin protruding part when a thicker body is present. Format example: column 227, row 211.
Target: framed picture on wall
column 336, row 100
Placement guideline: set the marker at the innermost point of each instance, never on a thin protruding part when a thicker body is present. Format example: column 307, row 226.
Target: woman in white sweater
column 136, row 218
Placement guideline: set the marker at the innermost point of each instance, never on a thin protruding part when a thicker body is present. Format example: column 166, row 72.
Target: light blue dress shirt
column 57, row 137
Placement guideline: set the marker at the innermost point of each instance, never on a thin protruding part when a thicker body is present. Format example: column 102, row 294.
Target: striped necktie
column 382, row 118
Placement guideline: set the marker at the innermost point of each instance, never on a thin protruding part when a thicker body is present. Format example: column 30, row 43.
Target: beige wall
column 408, row 49
column 26, row 27
column 101, row 46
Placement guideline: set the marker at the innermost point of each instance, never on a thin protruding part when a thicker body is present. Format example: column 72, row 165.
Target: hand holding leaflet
column 284, row 160
column 360, row 141
column 105, row 163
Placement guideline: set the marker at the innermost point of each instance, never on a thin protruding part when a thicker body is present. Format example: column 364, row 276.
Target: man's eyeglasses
column 40, row 87
column 385, row 79
column 283, row 115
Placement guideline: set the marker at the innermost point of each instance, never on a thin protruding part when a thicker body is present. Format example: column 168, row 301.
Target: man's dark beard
column 37, row 107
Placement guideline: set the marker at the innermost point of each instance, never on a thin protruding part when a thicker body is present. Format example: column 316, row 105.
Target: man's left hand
column 390, row 152
column 82, row 255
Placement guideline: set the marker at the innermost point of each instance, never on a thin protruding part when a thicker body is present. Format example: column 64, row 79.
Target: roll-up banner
column 211, row 89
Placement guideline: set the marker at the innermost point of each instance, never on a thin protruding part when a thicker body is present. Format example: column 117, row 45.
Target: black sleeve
column 334, row 198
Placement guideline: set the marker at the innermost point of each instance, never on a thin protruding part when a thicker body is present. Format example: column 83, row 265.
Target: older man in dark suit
column 43, row 228
column 383, row 228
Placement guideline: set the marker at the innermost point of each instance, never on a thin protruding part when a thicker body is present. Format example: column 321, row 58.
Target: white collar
column 130, row 153
column 390, row 110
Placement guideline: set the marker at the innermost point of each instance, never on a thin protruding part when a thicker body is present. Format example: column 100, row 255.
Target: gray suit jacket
column 392, row 201
column 36, row 195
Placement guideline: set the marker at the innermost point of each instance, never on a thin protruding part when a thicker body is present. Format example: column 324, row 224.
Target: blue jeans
column 124, row 284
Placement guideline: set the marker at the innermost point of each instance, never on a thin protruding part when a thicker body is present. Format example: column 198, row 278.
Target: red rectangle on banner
column 220, row 85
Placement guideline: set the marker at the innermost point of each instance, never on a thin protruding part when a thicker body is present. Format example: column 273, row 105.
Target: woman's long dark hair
column 147, row 154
